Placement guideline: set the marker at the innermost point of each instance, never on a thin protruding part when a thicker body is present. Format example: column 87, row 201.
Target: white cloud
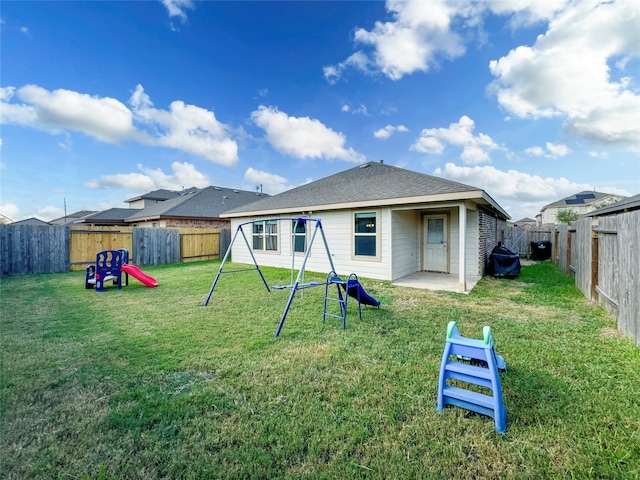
column 270, row 182
column 49, row 212
column 475, row 147
column 189, row 128
column 419, row 35
column 9, row 209
column 535, row 151
column 357, row 60
column 183, row 175
column 389, row 130
column 527, row 12
column 105, row 119
column 527, row 193
column 184, row 127
column 550, row 150
column 176, row 8
column 567, row 73
column 302, row 137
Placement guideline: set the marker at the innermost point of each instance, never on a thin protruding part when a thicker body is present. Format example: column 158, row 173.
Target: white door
column 435, row 243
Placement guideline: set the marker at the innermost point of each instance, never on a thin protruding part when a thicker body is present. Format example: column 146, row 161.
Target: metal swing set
column 296, row 285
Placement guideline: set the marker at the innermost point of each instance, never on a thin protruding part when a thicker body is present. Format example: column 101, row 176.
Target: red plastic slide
column 138, row 274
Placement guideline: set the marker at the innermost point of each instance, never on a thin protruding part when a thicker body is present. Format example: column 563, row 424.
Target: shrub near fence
column 52, row 249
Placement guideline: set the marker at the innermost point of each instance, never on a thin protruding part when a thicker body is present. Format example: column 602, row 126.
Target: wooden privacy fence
column 85, row 242
column 519, row 239
column 602, row 253
column 52, row 249
column 33, row 249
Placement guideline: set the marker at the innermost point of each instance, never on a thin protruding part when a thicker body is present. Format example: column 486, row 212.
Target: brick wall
column 491, row 229
column 193, row 223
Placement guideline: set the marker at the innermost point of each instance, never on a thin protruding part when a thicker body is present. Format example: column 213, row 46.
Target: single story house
column 380, row 222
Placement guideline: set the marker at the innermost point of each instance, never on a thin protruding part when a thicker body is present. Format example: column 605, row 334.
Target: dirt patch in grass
column 608, row 332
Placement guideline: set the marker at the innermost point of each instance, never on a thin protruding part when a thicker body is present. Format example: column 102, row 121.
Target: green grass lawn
column 147, row 383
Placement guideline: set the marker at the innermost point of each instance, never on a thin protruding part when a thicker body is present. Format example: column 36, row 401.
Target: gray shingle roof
column 208, row 203
column 161, row 195
column 583, row 198
column 369, row 182
column 30, row 221
column 111, row 215
column 72, row 217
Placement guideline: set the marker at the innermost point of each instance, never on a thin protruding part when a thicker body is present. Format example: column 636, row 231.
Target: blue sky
column 101, row 101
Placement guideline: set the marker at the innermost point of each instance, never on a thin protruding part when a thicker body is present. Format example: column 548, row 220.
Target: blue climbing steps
column 472, row 362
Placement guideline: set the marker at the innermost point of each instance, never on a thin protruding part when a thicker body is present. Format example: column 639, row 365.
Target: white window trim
column 378, row 235
column 294, row 235
column 264, row 239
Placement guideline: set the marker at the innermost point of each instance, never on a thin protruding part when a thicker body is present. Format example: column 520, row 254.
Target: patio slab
column 436, row 281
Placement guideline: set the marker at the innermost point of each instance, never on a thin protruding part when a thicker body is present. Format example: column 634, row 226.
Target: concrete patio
column 436, row 281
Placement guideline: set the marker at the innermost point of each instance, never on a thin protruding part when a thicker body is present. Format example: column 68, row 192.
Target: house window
column 265, row 235
column 298, row 236
column 365, row 234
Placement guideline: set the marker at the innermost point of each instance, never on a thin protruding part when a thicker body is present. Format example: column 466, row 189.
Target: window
column 435, row 230
column 298, row 236
column 265, row 235
column 365, row 234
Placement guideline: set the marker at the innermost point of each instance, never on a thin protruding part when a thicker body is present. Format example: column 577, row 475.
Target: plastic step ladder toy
column 472, row 362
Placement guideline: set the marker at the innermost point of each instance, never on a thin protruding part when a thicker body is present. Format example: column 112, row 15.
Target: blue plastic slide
column 355, row 290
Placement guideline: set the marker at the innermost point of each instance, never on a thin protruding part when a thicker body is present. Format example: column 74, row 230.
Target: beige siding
column 406, row 232
column 337, row 228
column 472, row 250
column 399, row 246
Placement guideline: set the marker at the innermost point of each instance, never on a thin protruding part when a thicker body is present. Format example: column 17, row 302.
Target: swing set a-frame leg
column 224, row 260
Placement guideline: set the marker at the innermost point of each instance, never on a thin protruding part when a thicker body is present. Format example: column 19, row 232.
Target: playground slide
column 354, row 289
column 138, row 274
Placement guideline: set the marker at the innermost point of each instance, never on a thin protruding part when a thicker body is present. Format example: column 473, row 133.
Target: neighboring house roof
column 30, row 221
column 525, row 220
column 5, row 219
column 112, row 215
column 370, row 184
column 206, row 203
column 72, row 217
column 586, row 197
column 631, row 203
column 159, row 195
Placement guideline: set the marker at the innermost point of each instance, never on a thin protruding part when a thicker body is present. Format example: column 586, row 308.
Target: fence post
column 594, row 265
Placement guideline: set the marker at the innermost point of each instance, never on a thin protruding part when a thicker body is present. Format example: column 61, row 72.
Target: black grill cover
column 504, row 262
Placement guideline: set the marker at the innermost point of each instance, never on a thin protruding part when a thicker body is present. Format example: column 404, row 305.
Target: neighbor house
column 30, row 221
column 72, row 218
column 196, row 207
column 110, row 217
column 380, row 222
column 580, row 203
column 192, row 207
